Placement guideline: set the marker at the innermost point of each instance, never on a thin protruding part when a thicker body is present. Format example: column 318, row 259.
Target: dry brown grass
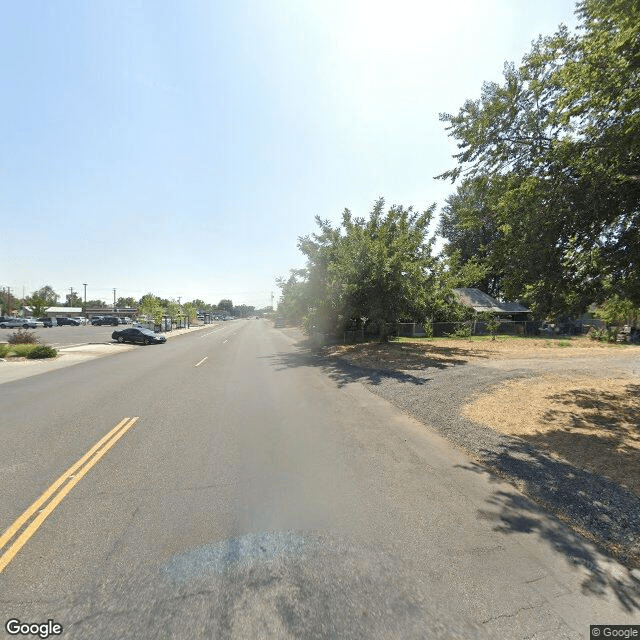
column 591, row 422
column 423, row 353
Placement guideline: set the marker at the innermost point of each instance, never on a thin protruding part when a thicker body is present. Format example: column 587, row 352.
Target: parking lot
column 67, row 336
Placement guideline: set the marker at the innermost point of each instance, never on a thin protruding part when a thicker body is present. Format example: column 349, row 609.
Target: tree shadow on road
column 595, row 507
column 337, row 369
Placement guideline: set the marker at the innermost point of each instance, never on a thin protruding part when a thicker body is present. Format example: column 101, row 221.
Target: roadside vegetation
column 25, row 344
column 31, row 351
column 545, row 210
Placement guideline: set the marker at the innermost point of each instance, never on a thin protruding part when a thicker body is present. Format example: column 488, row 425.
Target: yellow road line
column 97, row 451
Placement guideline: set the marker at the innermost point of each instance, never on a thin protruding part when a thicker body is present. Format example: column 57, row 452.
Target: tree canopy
column 366, row 271
column 548, row 206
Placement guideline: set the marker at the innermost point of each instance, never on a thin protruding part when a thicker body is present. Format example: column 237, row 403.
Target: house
column 513, row 317
column 65, row 312
column 482, row 302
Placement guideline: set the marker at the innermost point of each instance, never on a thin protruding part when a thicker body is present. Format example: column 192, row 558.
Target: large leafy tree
column 126, row 302
column 40, row 300
column 559, row 142
column 294, row 303
column 374, row 270
column 226, row 305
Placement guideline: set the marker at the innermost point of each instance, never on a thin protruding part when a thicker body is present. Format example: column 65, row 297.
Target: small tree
column 189, row 310
column 492, row 323
column 617, row 311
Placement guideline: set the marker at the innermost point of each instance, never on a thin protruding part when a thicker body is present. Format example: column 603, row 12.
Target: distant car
column 48, row 322
column 105, row 320
column 138, row 336
column 11, row 323
column 18, row 323
column 72, row 322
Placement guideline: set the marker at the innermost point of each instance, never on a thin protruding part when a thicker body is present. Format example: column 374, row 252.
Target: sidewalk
column 18, row 368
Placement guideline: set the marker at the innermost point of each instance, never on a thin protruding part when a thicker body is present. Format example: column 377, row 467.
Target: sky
column 182, row 147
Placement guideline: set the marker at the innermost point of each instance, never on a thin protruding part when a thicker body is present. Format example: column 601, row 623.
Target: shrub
column 462, row 331
column 4, row 349
column 23, row 336
column 604, row 335
column 42, row 351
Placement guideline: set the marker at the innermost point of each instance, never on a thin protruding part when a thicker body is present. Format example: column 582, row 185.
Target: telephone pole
column 114, row 299
column 85, row 293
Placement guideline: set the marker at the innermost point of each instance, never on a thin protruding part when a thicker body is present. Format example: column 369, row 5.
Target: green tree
column 226, row 306
column 374, row 271
column 73, row 300
column 173, row 310
column 152, row 306
column 96, row 304
column 294, row 301
column 559, row 143
column 617, row 311
column 40, row 300
column 127, row 302
column 190, row 310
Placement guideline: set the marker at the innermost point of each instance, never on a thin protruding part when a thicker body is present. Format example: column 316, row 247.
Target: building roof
column 480, row 301
column 64, row 310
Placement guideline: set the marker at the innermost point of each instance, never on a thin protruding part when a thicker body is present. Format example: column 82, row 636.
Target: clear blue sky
column 181, row 148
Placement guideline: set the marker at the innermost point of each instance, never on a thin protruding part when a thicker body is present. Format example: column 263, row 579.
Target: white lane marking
column 211, row 332
column 201, row 361
column 225, row 342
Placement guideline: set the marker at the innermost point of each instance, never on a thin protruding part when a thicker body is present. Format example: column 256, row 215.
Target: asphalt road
column 245, row 494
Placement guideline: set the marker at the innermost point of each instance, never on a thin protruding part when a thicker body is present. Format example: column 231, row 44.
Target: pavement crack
column 509, row 615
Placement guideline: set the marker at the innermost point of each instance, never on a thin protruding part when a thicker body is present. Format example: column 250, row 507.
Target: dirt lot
column 417, row 353
column 590, row 419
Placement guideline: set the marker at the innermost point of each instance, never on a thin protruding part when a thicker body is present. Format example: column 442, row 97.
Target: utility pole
column 114, row 299
column 85, row 294
column 9, row 299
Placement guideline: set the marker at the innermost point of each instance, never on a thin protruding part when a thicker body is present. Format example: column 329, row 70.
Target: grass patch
column 564, row 343
column 31, row 351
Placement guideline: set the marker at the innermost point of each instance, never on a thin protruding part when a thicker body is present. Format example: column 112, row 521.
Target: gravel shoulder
column 561, row 424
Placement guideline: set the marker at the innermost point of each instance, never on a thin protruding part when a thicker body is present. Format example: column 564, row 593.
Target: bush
column 604, row 335
column 462, row 331
column 4, row 349
column 42, row 351
column 23, row 336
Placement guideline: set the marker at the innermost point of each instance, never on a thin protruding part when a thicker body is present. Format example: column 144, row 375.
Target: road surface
column 243, row 493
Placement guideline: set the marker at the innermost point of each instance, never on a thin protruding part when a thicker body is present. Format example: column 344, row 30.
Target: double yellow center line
column 54, row 495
